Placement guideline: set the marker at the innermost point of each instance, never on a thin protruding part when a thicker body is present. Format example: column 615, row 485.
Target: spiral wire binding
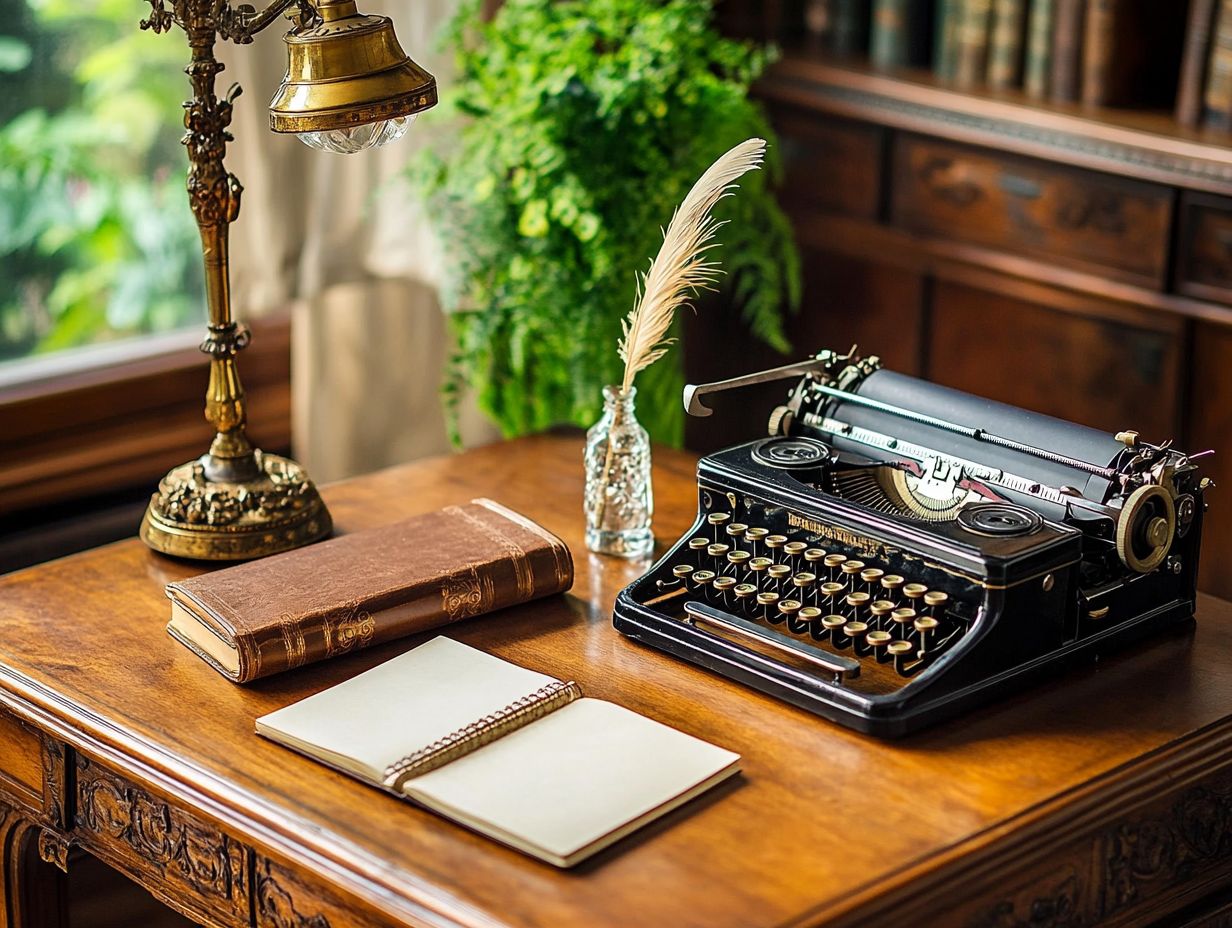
column 483, row 731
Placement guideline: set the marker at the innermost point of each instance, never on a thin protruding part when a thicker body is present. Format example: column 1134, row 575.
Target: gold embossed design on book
column 518, row 713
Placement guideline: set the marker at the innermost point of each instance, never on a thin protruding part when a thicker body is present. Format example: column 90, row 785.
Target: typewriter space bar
column 699, row 613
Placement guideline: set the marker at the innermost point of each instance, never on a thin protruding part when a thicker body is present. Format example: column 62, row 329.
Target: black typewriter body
column 885, row 562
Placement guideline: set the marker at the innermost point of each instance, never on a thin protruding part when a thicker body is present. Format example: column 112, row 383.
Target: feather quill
column 681, row 269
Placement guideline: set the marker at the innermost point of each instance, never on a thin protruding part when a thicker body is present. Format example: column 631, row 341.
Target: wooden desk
column 1104, row 797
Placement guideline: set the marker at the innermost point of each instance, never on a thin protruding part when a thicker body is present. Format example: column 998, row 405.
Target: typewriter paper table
column 1100, row 797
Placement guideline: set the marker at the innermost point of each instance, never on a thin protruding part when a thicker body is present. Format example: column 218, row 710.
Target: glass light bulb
column 359, row 138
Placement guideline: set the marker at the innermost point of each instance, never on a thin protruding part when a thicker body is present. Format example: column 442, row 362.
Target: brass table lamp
column 349, row 86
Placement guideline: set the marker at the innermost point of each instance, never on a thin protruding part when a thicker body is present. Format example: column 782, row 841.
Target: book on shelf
column 971, row 37
column 1038, row 61
column 364, row 588
column 838, row 26
column 1005, row 49
column 1132, row 53
column 901, row 33
column 513, row 754
column 1065, row 78
column 945, row 47
column 1217, row 100
column 1194, row 61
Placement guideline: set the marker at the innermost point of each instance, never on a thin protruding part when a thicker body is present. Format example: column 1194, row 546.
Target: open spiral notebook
column 513, row 754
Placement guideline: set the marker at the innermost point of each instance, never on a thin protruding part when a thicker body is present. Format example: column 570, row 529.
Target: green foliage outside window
column 588, row 122
column 96, row 238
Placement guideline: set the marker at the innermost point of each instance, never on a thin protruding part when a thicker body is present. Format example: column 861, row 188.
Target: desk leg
column 32, row 892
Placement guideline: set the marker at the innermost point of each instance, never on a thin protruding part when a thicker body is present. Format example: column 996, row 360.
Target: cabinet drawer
column 1108, row 372
column 285, row 895
column 1204, row 266
column 21, row 766
column 831, row 165
column 1077, row 218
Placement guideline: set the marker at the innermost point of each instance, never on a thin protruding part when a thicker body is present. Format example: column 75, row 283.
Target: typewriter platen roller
column 896, row 552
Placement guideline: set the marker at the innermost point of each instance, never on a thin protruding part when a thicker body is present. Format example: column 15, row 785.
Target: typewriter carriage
column 1039, row 553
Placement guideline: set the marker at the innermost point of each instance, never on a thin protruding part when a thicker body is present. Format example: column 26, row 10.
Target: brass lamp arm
column 239, row 23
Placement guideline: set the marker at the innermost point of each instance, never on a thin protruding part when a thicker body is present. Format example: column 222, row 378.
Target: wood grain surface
column 1049, row 798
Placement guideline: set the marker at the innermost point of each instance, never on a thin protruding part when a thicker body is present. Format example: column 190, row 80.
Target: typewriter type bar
column 887, row 562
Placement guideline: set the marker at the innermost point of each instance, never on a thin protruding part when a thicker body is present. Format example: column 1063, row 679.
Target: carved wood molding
column 57, row 795
column 189, row 864
column 274, row 899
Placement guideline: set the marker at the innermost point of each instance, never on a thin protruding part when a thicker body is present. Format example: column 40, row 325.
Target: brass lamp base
column 192, row 516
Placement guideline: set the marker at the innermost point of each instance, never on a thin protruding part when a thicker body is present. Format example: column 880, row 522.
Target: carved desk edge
column 169, row 827
column 1162, row 820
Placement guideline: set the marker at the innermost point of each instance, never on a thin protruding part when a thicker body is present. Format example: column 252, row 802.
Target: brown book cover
column 1217, row 98
column 359, row 590
column 1068, row 20
column 1039, row 49
column 1098, row 44
column 1193, row 63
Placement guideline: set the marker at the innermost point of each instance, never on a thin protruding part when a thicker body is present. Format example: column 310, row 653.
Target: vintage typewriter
column 897, row 552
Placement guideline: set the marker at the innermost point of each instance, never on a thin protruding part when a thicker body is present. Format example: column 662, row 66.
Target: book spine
column 888, row 45
column 517, row 714
column 1194, row 60
column 1005, row 46
column 851, row 25
column 1218, row 98
column 1098, row 45
column 1039, row 49
column 971, row 42
column 1067, row 49
column 944, row 60
column 819, row 21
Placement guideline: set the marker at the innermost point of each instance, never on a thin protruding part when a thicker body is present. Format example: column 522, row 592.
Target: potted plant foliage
column 587, row 121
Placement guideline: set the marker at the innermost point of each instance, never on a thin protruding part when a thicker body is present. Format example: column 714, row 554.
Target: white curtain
column 345, row 242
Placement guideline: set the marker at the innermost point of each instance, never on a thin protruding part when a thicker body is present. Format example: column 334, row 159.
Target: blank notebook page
column 404, row 704
column 573, row 778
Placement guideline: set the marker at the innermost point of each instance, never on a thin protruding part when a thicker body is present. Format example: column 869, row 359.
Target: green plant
column 589, row 120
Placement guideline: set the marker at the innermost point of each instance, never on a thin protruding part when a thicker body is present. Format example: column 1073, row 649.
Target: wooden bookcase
column 1072, row 260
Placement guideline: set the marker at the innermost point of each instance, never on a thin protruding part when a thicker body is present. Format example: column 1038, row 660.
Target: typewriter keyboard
column 870, row 621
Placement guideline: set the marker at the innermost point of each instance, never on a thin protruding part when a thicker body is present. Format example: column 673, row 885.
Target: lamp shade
column 347, row 71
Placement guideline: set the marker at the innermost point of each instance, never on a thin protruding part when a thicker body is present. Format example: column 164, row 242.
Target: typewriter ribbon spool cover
column 898, row 552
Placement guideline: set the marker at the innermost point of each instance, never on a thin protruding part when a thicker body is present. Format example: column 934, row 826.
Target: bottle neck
column 619, row 404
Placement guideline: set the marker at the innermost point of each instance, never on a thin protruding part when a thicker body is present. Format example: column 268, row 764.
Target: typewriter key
column 871, row 578
column 758, row 567
column 787, row 610
column 739, row 561
column 774, row 542
column 702, row 580
column 743, row 592
column 856, row 603
column 851, row 570
column 914, row 591
column 753, row 536
column 936, row 601
column 807, row 620
column 891, row 584
column 698, row 547
column 736, row 531
column 832, row 629
column 813, row 556
column 718, row 551
column 900, row 622
column 878, row 642
column 794, row 551
column 833, row 562
column 880, row 611
column 778, row 574
column 858, row 632
column 767, row 601
column 682, row 571
column 831, row 593
column 804, row 583
column 722, row 586
column 903, row 655
column 926, row 629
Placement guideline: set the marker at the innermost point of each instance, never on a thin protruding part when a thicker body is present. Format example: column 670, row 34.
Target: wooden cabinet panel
column 21, row 773
column 1210, row 426
column 1204, row 263
column 286, row 896
column 1076, row 218
column 831, row 165
column 1103, row 373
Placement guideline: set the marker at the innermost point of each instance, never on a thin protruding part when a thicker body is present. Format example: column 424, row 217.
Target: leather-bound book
column 971, row 42
column 1005, row 46
column 1194, row 61
column 1217, row 100
column 1039, row 49
column 945, row 43
column 1066, row 77
column 358, row 590
column 1098, row 47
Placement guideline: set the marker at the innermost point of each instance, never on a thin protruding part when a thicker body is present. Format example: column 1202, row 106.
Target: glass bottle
column 619, row 500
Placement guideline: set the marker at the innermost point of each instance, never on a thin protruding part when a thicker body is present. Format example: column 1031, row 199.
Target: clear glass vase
column 619, row 498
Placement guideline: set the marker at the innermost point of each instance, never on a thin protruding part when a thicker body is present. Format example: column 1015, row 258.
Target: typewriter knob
column 781, row 420
column 1146, row 528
